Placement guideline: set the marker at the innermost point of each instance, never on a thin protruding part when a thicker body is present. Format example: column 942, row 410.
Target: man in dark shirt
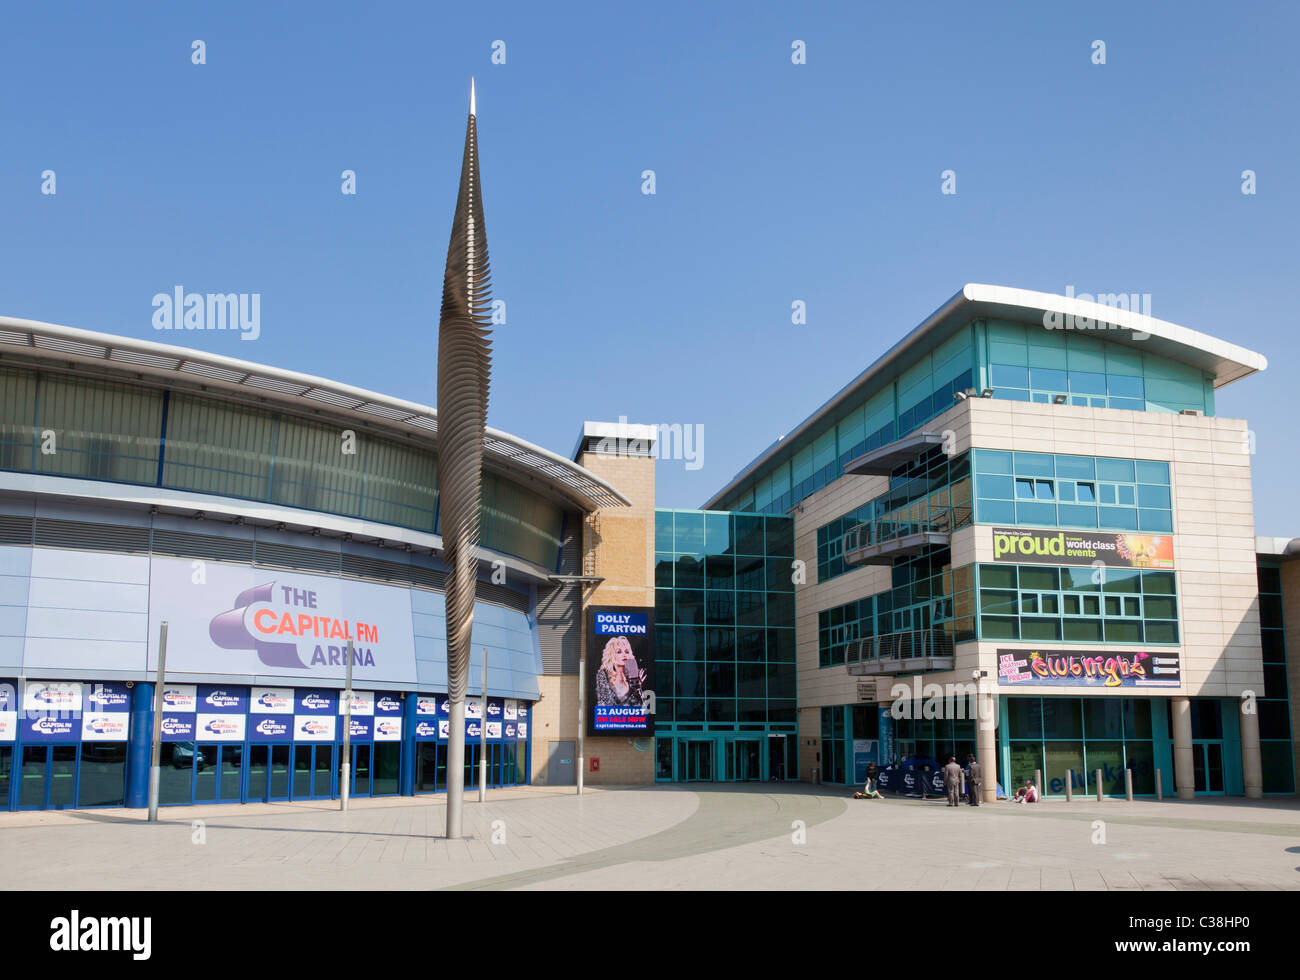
column 974, row 779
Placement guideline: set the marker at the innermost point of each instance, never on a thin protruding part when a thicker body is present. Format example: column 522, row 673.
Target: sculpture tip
column 471, row 96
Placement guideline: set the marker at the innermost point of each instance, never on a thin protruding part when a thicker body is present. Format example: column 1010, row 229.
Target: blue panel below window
column 1156, row 520
column 1077, row 515
column 1118, row 518
column 995, row 512
column 1035, row 513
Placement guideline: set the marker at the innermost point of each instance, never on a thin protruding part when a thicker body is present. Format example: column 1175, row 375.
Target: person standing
column 952, row 781
column 974, row 779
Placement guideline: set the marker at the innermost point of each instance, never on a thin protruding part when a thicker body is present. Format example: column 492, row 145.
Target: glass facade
column 1049, row 490
column 1028, row 363
column 725, row 643
column 1018, row 361
column 934, row 486
column 1274, row 704
column 1082, row 735
column 928, row 595
column 925, row 389
column 1077, row 604
column 64, row 426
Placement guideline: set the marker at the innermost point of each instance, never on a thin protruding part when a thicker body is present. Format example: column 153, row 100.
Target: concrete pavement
column 697, row 836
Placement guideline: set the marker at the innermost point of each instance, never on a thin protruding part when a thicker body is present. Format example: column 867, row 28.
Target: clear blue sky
column 775, row 182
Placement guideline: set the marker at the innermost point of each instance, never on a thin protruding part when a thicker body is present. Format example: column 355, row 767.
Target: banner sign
column 1114, row 549
column 387, row 728
column 865, row 752
column 271, row 701
column 242, row 620
column 911, row 782
column 68, row 711
column 620, row 671
column 1089, row 668
column 271, row 728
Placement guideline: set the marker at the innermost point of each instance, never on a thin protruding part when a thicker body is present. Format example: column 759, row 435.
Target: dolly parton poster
column 620, row 671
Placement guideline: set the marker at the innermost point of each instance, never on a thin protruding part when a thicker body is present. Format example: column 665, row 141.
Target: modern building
column 1023, row 532
column 268, row 518
column 1028, row 535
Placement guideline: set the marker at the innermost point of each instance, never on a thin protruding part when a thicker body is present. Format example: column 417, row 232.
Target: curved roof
column 1224, row 361
column 127, row 359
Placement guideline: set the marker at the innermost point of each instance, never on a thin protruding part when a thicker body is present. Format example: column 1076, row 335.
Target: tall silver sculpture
column 464, row 369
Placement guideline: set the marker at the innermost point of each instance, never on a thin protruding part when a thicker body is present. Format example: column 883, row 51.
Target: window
column 1034, row 602
column 1019, row 488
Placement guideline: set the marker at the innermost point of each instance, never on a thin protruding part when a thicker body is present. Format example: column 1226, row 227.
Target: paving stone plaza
column 664, row 838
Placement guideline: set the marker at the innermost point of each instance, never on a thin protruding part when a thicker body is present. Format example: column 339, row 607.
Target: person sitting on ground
column 869, row 789
column 1027, row 793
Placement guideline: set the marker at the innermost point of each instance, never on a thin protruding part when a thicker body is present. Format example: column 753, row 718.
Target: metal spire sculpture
column 464, row 369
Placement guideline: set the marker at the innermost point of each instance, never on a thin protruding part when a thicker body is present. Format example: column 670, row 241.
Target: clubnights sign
column 1079, row 668
column 1118, row 549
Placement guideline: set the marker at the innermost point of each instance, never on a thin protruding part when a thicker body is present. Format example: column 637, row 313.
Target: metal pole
column 582, row 716
column 347, row 733
column 455, row 767
column 1097, row 776
column 482, row 738
column 155, row 759
column 1160, row 790
column 1128, row 785
column 1038, row 782
column 1069, row 785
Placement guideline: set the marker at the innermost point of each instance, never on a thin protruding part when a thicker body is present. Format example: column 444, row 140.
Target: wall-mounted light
column 959, row 396
column 986, row 393
column 1058, row 399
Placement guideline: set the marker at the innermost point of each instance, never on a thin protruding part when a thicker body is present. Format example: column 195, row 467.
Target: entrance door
column 776, row 758
column 279, row 788
column 259, row 761
column 312, row 766
column 360, row 770
column 560, row 764
column 1207, row 766
column 6, row 760
column 268, row 772
column 431, row 767
column 695, row 760
column 218, row 772
column 743, row 760
column 48, row 779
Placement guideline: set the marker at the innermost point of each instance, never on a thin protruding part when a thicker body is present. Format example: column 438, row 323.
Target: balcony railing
column 929, row 649
column 881, row 540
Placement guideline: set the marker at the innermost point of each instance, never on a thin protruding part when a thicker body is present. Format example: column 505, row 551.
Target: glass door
column 48, row 779
column 386, row 767
column 743, row 760
column 695, row 761
column 360, row 769
column 776, row 752
column 430, row 767
column 259, row 758
column 6, row 760
column 1207, row 767
column 218, row 772
column 279, row 775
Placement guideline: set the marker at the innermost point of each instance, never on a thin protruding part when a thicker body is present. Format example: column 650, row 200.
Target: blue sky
column 775, row 182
